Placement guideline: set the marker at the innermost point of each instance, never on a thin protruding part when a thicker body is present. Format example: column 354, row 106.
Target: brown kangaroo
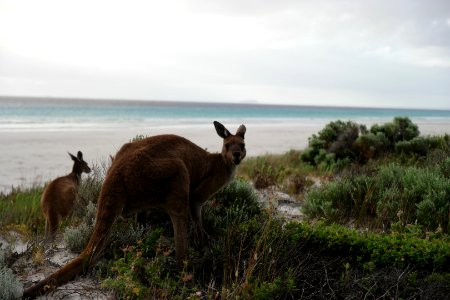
column 61, row 194
column 165, row 171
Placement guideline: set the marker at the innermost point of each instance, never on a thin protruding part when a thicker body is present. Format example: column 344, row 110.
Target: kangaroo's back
column 64, row 190
column 165, row 145
column 152, row 152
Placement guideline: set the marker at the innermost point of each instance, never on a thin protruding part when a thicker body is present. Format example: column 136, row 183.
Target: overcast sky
column 347, row 53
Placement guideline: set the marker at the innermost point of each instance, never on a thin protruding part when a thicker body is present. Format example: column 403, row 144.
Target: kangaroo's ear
column 241, row 131
column 80, row 155
column 221, row 130
column 73, row 157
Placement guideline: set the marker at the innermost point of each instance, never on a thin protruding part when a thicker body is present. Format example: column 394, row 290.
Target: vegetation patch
column 10, row 286
column 341, row 143
column 22, row 207
column 391, row 196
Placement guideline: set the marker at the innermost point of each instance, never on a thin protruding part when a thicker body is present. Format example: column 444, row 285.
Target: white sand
column 28, row 158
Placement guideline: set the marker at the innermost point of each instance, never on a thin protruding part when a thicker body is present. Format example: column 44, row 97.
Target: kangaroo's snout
column 237, row 157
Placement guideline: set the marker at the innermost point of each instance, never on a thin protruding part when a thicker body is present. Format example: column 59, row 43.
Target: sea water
column 52, row 114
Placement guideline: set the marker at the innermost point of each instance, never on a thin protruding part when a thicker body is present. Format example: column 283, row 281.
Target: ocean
column 36, row 134
column 52, row 114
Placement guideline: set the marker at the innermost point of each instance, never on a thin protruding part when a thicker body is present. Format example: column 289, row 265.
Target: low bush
column 10, row 286
column 400, row 129
column 286, row 171
column 91, row 185
column 340, row 143
column 359, row 265
column 332, row 143
column 422, row 145
column 408, row 195
column 77, row 237
column 380, row 250
column 371, row 145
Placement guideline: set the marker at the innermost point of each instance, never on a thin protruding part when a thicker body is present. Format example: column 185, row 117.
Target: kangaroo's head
column 233, row 149
column 79, row 165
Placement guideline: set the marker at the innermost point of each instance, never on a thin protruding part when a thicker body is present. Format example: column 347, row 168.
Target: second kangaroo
column 60, row 195
column 165, row 171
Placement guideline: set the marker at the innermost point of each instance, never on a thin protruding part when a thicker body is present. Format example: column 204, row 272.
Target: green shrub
column 400, row 129
column 138, row 137
column 445, row 168
column 342, row 147
column 320, row 202
column 418, row 145
column 91, row 185
column 139, row 274
column 264, row 176
column 371, row 145
column 354, row 265
column 344, row 142
column 273, row 170
column 332, row 143
column 309, row 154
column 421, row 145
column 235, row 203
column 77, row 237
column 125, row 233
column 10, row 286
column 380, row 249
column 232, row 217
column 392, row 194
column 413, row 194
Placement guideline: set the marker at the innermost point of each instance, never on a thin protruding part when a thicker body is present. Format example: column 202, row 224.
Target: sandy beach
column 29, row 158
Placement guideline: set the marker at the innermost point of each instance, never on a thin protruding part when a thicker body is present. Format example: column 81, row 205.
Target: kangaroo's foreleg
column 196, row 200
column 196, row 216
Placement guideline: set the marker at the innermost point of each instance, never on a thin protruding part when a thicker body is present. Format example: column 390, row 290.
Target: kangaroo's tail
column 70, row 271
column 90, row 255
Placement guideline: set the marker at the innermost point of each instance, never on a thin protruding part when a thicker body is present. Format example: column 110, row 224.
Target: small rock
column 61, row 258
column 281, row 202
column 81, row 289
column 35, row 277
column 14, row 242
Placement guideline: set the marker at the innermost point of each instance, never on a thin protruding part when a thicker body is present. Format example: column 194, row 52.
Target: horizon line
column 235, row 103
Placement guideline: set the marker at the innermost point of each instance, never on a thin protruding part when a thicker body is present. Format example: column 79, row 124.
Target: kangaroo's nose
column 236, row 154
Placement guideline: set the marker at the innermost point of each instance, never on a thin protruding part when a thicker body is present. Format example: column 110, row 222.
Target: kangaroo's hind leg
column 177, row 206
column 51, row 225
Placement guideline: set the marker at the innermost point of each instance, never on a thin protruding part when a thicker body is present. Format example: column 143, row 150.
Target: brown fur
column 165, row 171
column 60, row 195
